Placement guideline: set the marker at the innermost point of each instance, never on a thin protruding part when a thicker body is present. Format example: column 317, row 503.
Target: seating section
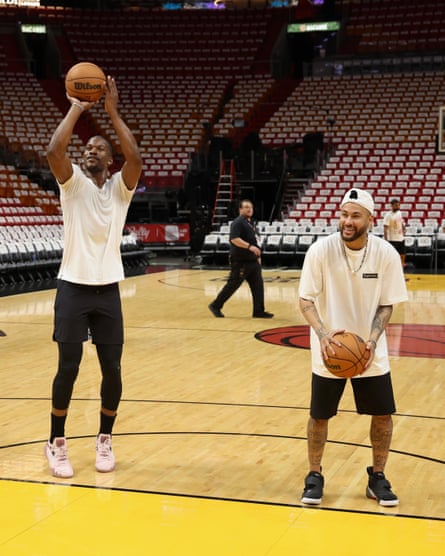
column 246, row 98
column 181, row 74
column 196, row 42
column 180, row 66
column 10, row 53
column 382, row 26
column 172, row 69
column 23, row 201
column 383, row 140
column 415, row 175
column 401, row 108
column 24, row 242
column 28, row 120
column 285, row 242
column 167, row 116
column 32, row 250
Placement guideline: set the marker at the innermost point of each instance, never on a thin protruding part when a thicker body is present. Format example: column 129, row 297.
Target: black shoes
column 263, row 315
column 313, row 488
column 215, row 311
column 379, row 488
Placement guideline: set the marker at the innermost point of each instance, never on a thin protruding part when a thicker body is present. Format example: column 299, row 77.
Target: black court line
column 164, row 282
column 183, row 329
column 225, row 499
column 135, row 327
column 223, row 404
column 217, row 498
column 222, row 433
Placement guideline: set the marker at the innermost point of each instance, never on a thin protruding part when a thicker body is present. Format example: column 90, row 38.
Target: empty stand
column 183, row 76
column 28, row 120
column 384, row 26
column 172, row 70
column 384, row 140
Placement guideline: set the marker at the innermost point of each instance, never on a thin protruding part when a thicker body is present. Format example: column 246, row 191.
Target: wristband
column 249, row 246
column 373, row 342
column 78, row 105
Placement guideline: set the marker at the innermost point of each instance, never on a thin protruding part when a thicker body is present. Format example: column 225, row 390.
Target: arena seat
column 423, row 254
column 209, row 246
column 271, row 247
column 288, row 248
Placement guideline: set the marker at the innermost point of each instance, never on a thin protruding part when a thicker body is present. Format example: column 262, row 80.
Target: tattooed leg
column 317, row 434
column 380, row 434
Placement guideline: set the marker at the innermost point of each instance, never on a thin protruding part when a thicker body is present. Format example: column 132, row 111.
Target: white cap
column 359, row 197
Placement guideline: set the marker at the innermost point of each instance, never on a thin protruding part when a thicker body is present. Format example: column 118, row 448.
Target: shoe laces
column 60, row 452
column 104, row 446
column 381, row 480
column 313, row 479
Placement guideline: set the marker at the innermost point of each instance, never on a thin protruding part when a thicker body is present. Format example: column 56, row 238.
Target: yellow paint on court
column 53, row 519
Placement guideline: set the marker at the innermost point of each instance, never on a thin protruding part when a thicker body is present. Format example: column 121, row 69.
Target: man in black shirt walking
column 245, row 263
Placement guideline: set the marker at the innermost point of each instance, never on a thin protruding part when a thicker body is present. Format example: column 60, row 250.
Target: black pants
column 240, row 271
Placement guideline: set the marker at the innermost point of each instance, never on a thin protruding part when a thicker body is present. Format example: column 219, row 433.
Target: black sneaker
column 313, row 488
column 263, row 315
column 215, row 311
column 379, row 488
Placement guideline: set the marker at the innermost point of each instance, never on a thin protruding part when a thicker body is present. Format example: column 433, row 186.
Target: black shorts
column 399, row 246
column 373, row 395
column 79, row 308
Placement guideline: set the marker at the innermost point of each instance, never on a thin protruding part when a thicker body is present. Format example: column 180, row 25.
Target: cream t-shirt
column 349, row 300
column 93, row 222
column 394, row 221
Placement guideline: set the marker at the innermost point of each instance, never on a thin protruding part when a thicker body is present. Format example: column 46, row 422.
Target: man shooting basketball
column 94, row 206
column 350, row 281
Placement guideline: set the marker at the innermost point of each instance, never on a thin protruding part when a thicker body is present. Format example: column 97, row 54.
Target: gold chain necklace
column 354, row 270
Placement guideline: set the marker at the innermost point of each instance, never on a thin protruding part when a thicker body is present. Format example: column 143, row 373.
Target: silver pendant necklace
column 362, row 262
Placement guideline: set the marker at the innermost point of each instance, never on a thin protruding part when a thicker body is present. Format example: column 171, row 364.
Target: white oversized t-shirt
column 348, row 300
column 394, row 221
column 93, row 222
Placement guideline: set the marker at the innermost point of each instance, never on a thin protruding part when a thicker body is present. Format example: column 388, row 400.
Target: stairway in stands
column 265, row 109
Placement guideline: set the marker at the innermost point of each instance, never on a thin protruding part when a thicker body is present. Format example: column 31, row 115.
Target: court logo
column 404, row 340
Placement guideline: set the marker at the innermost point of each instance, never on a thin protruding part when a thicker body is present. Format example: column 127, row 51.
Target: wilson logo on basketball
column 86, row 86
column 408, row 340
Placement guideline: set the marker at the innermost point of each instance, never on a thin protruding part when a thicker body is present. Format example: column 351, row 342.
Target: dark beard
column 357, row 234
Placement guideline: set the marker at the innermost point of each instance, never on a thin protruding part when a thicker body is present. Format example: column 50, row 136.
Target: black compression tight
column 110, row 364
column 70, row 356
column 69, row 361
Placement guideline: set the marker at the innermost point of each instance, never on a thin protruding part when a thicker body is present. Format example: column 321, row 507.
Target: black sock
column 106, row 423
column 57, row 427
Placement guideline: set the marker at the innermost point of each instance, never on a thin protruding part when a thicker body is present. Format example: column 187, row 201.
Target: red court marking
column 405, row 340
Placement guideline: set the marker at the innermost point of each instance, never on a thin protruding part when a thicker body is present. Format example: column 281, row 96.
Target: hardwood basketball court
column 210, row 439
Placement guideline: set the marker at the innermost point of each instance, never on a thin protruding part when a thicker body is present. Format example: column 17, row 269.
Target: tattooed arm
column 379, row 322
column 312, row 317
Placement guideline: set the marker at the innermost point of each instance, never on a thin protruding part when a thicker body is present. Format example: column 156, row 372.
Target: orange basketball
column 349, row 359
column 85, row 81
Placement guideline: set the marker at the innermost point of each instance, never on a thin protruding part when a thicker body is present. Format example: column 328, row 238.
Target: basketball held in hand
column 350, row 358
column 85, row 81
